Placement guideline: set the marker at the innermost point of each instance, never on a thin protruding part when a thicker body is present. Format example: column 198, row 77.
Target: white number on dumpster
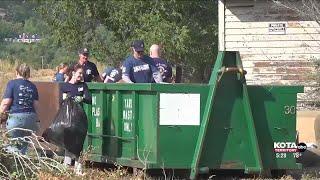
column 289, row 109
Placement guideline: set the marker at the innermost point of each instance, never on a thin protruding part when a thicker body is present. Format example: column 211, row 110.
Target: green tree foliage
column 9, row 29
column 19, row 10
column 21, row 18
column 186, row 30
column 35, row 25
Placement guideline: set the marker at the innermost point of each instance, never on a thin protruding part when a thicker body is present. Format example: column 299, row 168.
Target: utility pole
column 41, row 62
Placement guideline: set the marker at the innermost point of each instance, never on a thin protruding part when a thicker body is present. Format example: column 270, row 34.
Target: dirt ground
column 310, row 159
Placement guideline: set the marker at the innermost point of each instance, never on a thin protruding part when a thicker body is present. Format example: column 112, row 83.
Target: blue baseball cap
column 138, row 45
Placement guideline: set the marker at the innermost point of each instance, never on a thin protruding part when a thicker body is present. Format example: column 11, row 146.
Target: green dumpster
column 221, row 125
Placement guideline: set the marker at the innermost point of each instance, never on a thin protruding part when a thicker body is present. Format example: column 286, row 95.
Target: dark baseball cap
column 138, row 45
column 84, row 51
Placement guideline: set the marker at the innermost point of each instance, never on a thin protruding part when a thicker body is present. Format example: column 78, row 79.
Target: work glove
column 64, row 96
column 78, row 99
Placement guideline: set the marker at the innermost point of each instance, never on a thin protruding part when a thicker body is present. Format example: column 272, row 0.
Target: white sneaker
column 67, row 161
column 11, row 149
column 78, row 169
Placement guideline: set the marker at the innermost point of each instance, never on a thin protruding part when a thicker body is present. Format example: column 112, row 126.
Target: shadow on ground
column 310, row 161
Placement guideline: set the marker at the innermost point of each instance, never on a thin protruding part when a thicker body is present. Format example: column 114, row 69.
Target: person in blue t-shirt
column 112, row 75
column 61, row 74
column 21, row 100
column 78, row 90
column 139, row 68
column 163, row 66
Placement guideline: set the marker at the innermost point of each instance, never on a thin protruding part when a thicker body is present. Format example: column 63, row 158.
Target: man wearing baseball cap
column 89, row 68
column 139, row 68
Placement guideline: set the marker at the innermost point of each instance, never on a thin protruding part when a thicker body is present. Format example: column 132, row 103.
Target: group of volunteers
column 19, row 105
column 137, row 68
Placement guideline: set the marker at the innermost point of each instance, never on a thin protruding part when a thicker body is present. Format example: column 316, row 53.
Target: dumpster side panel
column 114, row 128
column 227, row 143
column 102, row 140
column 177, row 141
column 275, row 119
column 99, row 112
column 147, row 136
column 129, row 115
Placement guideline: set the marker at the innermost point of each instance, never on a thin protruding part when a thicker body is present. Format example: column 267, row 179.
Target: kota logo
column 289, row 147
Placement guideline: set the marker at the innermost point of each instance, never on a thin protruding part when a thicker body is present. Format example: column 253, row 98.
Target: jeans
column 27, row 120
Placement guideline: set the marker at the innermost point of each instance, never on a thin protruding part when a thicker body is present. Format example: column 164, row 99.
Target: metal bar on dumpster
column 233, row 69
column 213, row 84
column 206, row 116
column 249, row 118
column 110, row 136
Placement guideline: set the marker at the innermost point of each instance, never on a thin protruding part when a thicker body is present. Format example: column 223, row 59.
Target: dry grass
column 94, row 174
column 6, row 73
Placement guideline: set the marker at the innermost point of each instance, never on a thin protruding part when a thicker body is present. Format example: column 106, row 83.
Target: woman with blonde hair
column 21, row 100
column 61, row 74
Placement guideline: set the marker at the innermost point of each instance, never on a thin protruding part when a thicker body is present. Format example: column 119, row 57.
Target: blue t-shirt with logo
column 106, row 72
column 78, row 89
column 164, row 68
column 23, row 93
column 139, row 70
column 114, row 75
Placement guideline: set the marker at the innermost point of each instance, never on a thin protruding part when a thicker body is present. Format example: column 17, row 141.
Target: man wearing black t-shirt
column 90, row 69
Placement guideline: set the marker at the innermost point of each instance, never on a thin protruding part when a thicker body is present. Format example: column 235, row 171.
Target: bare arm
column 126, row 79
column 5, row 105
column 106, row 79
column 36, row 106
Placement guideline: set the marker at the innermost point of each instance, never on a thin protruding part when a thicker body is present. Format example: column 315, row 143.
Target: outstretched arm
column 126, row 72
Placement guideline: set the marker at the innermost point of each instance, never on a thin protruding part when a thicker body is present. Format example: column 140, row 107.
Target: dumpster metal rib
column 215, row 78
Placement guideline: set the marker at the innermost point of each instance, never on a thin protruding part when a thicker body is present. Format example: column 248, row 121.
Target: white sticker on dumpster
column 179, row 109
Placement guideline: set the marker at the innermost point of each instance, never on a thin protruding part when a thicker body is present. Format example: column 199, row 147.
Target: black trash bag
column 69, row 128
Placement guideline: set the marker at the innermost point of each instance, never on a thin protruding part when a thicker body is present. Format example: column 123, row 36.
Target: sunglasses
column 140, row 52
